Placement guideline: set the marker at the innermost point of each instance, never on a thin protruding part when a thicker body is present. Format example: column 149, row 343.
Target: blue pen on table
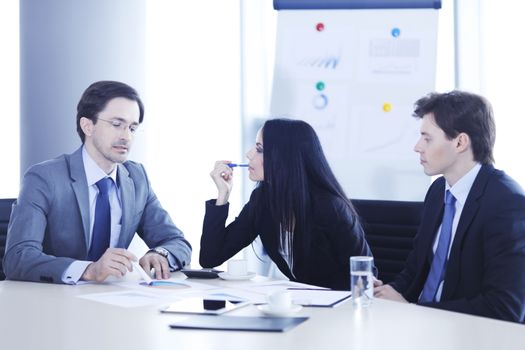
column 233, row 165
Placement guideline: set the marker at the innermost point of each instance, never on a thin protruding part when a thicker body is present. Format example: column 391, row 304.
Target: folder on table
column 240, row 323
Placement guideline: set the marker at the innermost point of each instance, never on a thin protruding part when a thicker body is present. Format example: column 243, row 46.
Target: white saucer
column 271, row 312
column 227, row 276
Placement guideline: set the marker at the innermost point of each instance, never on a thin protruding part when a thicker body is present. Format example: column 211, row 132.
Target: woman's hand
column 222, row 175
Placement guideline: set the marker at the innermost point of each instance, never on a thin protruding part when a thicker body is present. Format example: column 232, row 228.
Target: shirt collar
column 93, row 172
column 461, row 188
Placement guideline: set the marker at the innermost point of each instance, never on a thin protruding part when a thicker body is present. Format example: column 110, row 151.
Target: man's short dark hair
column 97, row 96
column 458, row 111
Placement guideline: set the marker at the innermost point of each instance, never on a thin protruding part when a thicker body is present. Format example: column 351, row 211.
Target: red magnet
column 319, row 27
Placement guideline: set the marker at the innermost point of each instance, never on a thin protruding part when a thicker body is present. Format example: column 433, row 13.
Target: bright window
column 502, row 75
column 10, row 97
column 192, row 104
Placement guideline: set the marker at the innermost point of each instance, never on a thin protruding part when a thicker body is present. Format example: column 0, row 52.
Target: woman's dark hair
column 97, row 96
column 294, row 163
column 458, row 111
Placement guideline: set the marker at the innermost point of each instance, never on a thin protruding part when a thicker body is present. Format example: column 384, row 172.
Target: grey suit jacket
column 49, row 225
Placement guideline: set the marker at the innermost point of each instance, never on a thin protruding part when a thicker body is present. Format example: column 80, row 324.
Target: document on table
column 156, row 291
column 318, row 297
column 268, row 287
column 302, row 294
column 129, row 298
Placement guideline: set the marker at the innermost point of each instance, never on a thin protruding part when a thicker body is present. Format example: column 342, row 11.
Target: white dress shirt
column 93, row 174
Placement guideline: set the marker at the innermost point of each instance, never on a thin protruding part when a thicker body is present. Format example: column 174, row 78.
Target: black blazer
column 324, row 261
column 486, row 269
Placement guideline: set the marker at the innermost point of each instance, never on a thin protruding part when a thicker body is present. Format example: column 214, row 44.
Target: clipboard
column 239, row 323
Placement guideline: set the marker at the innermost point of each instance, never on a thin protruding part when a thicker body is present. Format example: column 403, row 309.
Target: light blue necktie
column 102, row 225
column 438, row 267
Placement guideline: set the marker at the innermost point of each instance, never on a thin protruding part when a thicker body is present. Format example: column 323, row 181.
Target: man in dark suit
column 76, row 214
column 469, row 253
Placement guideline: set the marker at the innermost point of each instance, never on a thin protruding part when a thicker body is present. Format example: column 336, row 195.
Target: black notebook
column 240, row 323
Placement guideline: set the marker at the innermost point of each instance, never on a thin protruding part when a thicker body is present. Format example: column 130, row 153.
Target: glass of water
column 362, row 281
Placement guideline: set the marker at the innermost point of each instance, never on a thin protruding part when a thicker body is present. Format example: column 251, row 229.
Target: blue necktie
column 102, row 224
column 438, row 267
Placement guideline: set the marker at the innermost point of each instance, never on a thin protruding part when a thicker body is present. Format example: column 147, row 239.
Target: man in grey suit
column 76, row 214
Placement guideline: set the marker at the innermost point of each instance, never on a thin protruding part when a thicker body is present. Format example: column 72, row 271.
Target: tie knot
column 449, row 198
column 104, row 184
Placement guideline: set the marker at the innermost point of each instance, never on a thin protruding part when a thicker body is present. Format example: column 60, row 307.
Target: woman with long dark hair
column 307, row 224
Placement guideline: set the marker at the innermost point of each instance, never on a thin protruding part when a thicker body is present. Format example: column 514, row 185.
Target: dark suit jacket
column 335, row 236
column 49, row 225
column 486, row 269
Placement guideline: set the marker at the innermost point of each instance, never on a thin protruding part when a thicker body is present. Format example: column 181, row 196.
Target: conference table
column 52, row 316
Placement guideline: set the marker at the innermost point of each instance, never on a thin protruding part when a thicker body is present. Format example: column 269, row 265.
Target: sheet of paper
column 237, row 294
column 129, row 298
column 170, row 287
column 272, row 286
column 257, row 292
column 302, row 294
column 319, row 297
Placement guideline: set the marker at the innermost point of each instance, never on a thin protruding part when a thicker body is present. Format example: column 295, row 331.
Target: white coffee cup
column 280, row 300
column 237, row 267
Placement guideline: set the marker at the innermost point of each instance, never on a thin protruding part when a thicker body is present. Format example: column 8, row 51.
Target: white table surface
column 48, row 316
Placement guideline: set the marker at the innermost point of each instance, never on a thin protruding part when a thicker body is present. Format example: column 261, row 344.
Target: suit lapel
column 127, row 193
column 433, row 215
column 79, row 185
column 467, row 215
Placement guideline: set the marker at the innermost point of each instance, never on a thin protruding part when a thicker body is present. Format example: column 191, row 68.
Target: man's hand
column 114, row 262
column 156, row 261
column 377, row 282
column 387, row 292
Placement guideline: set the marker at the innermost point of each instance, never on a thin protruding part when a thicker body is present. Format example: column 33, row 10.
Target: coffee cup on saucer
column 280, row 301
column 237, row 270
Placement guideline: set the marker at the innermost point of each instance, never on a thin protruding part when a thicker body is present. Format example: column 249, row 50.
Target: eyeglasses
column 120, row 125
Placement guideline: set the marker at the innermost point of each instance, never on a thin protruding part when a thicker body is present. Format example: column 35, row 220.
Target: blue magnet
column 396, row 32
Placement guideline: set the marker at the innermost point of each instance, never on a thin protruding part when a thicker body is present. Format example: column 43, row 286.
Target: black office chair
column 390, row 228
column 5, row 213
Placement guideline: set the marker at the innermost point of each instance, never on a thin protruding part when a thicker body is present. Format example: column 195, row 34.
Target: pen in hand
column 233, row 165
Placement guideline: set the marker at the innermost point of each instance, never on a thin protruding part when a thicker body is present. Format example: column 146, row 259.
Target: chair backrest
column 5, row 213
column 390, row 228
